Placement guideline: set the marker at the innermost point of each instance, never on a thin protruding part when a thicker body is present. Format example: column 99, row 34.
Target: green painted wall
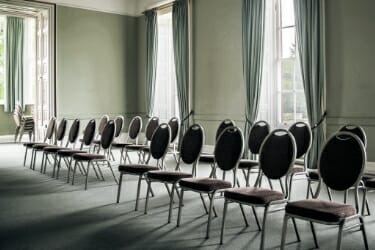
column 350, row 53
column 96, row 64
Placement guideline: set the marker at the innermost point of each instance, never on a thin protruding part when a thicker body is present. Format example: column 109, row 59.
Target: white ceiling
column 124, row 7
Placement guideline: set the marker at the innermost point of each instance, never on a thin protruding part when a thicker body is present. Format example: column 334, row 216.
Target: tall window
column 2, row 58
column 165, row 102
column 282, row 96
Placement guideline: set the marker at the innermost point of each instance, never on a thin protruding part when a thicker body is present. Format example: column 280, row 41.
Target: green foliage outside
column 2, row 56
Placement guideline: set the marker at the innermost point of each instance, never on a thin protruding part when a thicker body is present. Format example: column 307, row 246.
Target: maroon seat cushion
column 52, row 149
column 69, row 152
column 40, row 145
column 247, row 164
column 313, row 174
column 204, row 184
column 136, row 146
column 136, row 168
column 296, row 169
column 121, row 144
column 209, row 158
column 31, row 144
column 87, row 157
column 327, row 211
column 253, row 195
column 168, row 176
column 369, row 182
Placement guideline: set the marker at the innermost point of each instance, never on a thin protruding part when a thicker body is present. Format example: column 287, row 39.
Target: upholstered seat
column 313, row 174
column 40, row 145
column 88, row 157
column 69, row 152
column 168, row 176
column 369, row 182
column 136, row 168
column 31, row 144
column 146, row 149
column 296, row 169
column 320, row 210
column 207, row 158
column 247, row 164
column 253, row 195
column 121, row 144
column 52, row 149
column 204, row 184
column 137, row 146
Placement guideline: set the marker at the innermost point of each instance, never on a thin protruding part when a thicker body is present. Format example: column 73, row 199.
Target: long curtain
column 181, row 58
column 253, row 22
column 309, row 16
column 151, row 58
column 14, row 63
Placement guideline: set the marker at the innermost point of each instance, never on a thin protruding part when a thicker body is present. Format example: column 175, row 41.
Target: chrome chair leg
column 139, row 191
column 296, row 229
column 171, row 202
column 204, row 203
column 223, row 221
column 244, row 215
column 24, row 159
column 256, row 218
column 283, row 234
column 87, row 174
column 147, row 197
column 263, row 233
column 74, row 171
column 339, row 237
column 119, row 189
column 363, row 229
column 113, row 173
column 211, row 197
column 314, row 234
column 69, row 169
column 180, row 207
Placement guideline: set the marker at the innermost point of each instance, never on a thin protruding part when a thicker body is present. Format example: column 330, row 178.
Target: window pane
column 288, row 42
column 287, row 108
column 2, row 57
column 287, row 74
column 297, row 75
column 301, row 113
column 287, row 13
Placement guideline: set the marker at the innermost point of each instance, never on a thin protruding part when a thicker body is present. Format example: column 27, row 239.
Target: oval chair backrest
column 74, row 131
column 357, row 130
column 160, row 141
column 342, row 160
column 257, row 134
column 303, row 137
column 223, row 125
column 89, row 133
column 152, row 125
column 174, row 124
column 50, row 128
column 229, row 148
column 119, row 122
column 277, row 154
column 192, row 144
column 60, row 133
column 135, row 127
column 108, row 134
column 102, row 123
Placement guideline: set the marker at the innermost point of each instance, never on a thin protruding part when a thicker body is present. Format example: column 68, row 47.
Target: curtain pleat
column 253, row 23
column 14, row 63
column 309, row 16
column 151, row 58
column 181, row 58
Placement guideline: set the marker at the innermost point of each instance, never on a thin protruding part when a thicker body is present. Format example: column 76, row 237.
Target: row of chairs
column 277, row 152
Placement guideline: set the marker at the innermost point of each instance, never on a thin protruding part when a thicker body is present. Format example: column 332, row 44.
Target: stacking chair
column 102, row 155
column 341, row 164
column 24, row 123
column 70, row 144
column 301, row 132
column 102, row 123
column 277, row 156
column 60, row 134
column 135, row 128
column 48, row 140
column 67, row 154
column 227, row 154
column 209, row 157
column 119, row 125
column 190, row 149
column 158, row 149
column 151, row 126
column 257, row 134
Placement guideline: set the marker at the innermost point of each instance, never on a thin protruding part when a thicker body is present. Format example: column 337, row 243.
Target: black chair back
column 74, row 131
column 50, row 128
column 152, row 125
column 89, row 133
column 108, row 134
column 160, row 141
column 174, row 125
column 223, row 125
column 192, row 143
column 357, row 130
column 60, row 133
column 342, row 160
column 229, row 148
column 135, row 127
column 257, row 134
column 303, row 137
column 277, row 154
column 102, row 123
column 119, row 122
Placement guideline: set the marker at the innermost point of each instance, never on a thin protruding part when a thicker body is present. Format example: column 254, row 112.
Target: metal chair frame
column 124, row 151
column 340, row 223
